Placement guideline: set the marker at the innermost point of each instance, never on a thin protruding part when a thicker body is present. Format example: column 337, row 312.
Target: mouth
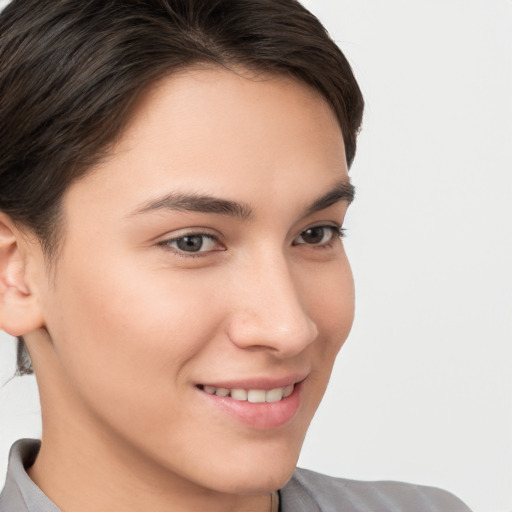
column 258, row 404
column 255, row 396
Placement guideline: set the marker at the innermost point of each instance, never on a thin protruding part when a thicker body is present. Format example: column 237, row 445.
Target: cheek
column 118, row 337
column 330, row 301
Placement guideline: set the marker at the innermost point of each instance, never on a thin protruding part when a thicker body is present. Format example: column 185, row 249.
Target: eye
column 193, row 243
column 319, row 236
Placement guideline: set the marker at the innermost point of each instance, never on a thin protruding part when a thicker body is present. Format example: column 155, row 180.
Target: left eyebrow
column 342, row 191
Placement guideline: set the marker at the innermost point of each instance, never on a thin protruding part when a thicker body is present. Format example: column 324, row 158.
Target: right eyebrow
column 197, row 203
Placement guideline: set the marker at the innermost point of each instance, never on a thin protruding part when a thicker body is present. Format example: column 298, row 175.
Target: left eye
column 193, row 243
column 318, row 235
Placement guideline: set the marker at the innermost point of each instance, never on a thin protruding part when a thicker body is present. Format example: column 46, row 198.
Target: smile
column 259, row 403
column 255, row 396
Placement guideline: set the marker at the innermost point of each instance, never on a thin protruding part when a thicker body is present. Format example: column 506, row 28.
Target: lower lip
column 262, row 416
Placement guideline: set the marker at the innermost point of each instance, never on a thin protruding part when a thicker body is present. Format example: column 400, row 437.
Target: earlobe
column 19, row 306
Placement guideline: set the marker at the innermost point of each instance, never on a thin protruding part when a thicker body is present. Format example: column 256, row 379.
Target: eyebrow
column 342, row 191
column 201, row 203
column 198, row 203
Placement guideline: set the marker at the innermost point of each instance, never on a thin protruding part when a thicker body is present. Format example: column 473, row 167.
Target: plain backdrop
column 422, row 390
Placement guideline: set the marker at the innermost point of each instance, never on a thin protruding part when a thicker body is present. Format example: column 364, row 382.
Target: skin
column 128, row 325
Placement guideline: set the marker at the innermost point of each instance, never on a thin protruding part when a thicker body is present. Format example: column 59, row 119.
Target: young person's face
column 198, row 258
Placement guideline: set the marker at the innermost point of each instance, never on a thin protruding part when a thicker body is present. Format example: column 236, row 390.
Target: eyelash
column 167, row 244
column 337, row 232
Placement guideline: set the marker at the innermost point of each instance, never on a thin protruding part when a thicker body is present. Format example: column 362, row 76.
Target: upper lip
column 264, row 383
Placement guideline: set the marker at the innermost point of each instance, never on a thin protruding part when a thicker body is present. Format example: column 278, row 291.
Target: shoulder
column 20, row 494
column 308, row 491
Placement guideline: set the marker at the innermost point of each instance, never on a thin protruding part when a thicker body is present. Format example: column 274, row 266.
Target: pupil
column 313, row 235
column 190, row 243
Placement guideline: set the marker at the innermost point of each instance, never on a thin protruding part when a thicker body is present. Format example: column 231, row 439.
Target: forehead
column 213, row 131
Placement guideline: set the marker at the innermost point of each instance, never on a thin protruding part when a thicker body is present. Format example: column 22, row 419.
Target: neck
column 81, row 480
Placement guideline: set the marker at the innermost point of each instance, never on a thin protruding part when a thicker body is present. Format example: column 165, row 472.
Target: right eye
column 194, row 243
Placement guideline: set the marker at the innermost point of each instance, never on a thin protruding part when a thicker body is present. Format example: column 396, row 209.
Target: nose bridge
column 269, row 311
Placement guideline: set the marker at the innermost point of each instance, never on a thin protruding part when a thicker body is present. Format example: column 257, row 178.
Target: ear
column 20, row 311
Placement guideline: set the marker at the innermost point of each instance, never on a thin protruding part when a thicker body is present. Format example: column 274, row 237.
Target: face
column 202, row 291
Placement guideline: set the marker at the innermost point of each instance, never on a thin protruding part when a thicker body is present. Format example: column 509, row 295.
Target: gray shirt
column 305, row 492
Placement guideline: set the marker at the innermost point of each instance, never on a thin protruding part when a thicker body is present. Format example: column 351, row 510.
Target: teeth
column 256, row 396
column 239, row 394
column 288, row 390
column 274, row 395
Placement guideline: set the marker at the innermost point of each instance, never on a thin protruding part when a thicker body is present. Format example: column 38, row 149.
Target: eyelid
column 168, row 242
column 171, row 238
column 337, row 231
column 188, row 231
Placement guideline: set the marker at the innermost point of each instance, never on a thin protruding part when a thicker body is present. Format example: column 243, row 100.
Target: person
column 173, row 185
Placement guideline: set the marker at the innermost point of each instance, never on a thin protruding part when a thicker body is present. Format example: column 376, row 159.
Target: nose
column 268, row 310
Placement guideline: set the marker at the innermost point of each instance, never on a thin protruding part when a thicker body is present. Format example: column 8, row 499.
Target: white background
column 422, row 391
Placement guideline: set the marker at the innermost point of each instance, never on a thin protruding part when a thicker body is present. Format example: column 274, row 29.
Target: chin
column 266, row 471
column 244, row 469
column 268, row 478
